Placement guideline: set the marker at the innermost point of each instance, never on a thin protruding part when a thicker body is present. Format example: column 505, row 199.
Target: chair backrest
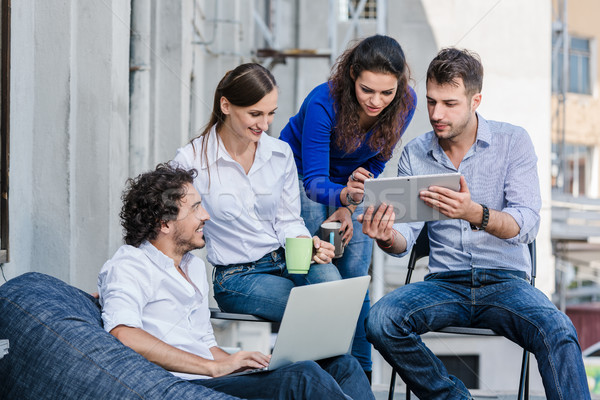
column 421, row 249
column 532, row 253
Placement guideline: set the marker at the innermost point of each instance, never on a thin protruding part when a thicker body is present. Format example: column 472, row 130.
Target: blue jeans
column 355, row 262
column 333, row 378
column 262, row 288
column 500, row 300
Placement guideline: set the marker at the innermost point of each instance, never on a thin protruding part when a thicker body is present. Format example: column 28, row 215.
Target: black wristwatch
column 484, row 220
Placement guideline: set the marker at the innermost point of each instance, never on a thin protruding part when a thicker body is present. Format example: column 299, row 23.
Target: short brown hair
column 451, row 64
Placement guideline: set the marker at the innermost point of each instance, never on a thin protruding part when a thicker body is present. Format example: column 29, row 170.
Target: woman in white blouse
column 249, row 186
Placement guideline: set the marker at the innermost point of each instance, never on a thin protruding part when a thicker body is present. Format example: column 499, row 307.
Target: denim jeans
column 500, row 300
column 263, row 287
column 333, row 378
column 355, row 262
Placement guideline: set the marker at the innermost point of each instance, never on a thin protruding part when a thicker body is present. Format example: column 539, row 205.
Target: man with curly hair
column 154, row 297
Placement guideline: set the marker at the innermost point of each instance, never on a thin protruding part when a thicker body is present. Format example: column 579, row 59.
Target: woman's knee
column 323, row 273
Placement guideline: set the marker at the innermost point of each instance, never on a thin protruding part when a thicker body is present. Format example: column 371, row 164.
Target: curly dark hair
column 380, row 54
column 151, row 198
column 452, row 63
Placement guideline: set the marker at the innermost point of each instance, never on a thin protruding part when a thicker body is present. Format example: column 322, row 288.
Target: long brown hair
column 376, row 53
column 243, row 86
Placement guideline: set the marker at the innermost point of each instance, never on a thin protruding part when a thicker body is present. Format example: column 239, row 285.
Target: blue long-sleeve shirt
column 323, row 166
column 501, row 172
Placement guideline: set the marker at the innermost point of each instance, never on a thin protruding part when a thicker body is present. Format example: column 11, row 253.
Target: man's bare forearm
column 161, row 353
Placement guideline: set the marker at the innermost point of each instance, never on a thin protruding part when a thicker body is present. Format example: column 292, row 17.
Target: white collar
column 216, row 149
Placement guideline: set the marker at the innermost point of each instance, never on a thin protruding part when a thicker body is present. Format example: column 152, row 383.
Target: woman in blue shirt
column 346, row 131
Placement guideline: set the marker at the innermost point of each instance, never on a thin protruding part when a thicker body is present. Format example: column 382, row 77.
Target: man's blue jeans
column 355, row 262
column 262, row 288
column 500, row 300
column 333, row 378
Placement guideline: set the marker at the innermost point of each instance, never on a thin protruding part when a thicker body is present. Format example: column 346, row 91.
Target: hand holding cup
column 323, row 251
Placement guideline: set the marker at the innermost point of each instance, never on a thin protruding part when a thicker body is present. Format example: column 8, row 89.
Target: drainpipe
column 563, row 93
column 139, row 89
column 378, row 271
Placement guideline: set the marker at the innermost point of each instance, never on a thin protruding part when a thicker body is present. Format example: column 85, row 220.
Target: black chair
column 420, row 250
column 218, row 314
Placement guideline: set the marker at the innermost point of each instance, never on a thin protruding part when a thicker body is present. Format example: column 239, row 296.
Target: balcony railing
column 575, row 236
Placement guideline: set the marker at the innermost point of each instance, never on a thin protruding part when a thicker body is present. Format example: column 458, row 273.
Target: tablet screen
column 403, row 193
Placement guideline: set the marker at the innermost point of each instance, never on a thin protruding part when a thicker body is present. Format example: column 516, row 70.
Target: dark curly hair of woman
column 376, row 53
column 151, row 198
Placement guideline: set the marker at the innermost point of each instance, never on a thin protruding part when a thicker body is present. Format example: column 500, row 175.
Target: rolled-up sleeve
column 522, row 189
column 122, row 294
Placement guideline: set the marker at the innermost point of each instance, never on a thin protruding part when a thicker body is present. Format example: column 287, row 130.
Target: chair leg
column 524, row 380
column 392, row 385
column 526, row 396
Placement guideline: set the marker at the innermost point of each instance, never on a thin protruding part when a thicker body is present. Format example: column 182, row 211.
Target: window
column 4, row 125
column 579, row 66
column 580, row 77
column 349, row 7
column 578, row 162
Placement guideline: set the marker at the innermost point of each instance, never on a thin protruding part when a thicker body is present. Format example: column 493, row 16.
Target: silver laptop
column 402, row 193
column 319, row 322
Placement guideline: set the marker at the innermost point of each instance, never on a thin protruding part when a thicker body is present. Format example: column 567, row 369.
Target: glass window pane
column 574, row 74
column 579, row 44
column 585, row 75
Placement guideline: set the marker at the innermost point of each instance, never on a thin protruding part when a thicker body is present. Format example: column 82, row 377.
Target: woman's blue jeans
column 262, row 288
column 333, row 378
column 500, row 300
column 355, row 262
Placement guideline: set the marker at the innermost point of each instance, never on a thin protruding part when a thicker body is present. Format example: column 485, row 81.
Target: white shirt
column 141, row 288
column 250, row 215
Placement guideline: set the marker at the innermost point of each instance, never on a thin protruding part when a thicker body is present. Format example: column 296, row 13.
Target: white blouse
column 141, row 288
column 250, row 214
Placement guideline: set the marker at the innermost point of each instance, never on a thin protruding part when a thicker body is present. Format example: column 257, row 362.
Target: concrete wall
column 68, row 135
column 71, row 133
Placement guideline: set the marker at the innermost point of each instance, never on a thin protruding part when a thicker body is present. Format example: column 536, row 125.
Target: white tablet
column 403, row 193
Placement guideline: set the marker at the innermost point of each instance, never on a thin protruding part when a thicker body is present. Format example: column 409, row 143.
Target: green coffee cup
column 298, row 253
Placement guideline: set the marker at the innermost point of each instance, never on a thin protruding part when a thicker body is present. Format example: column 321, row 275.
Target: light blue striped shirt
column 501, row 172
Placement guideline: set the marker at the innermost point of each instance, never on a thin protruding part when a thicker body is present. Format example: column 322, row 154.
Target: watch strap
column 484, row 220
